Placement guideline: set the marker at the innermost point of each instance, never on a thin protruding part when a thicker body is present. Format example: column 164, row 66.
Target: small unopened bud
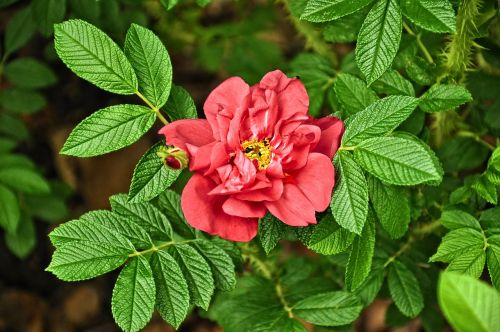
column 173, row 157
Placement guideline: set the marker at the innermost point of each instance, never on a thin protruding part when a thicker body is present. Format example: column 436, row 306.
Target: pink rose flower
column 257, row 151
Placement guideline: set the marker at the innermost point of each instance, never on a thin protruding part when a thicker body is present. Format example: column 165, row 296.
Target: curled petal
column 332, row 129
column 221, row 106
column 204, row 212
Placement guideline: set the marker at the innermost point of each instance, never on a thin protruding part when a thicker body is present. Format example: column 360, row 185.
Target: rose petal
column 204, row 212
column 293, row 208
column 196, row 132
column 332, row 129
column 316, row 180
column 224, row 101
column 245, row 209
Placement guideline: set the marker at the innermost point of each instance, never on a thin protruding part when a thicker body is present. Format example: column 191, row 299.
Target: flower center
column 259, row 151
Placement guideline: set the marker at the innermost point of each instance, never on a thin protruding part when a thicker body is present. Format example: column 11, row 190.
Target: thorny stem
column 153, row 108
column 458, row 51
column 416, row 234
column 158, row 248
column 421, row 45
column 267, row 271
column 312, row 36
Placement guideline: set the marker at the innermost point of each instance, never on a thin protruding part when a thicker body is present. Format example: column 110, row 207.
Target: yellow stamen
column 258, row 150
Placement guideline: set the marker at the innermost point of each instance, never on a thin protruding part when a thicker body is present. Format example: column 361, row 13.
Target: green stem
column 477, row 138
column 286, row 306
column 312, row 36
column 268, row 271
column 347, row 148
column 420, row 44
column 153, row 108
column 416, row 234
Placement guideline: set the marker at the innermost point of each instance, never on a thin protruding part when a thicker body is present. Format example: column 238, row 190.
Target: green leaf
column 420, row 71
column 328, row 10
column 49, row 208
column 151, row 177
column 197, row 272
column 144, row 215
column 360, row 258
column 172, row 293
column 486, row 189
column 397, row 160
column 462, row 153
column 405, row 290
column 170, row 204
column 280, row 323
column 13, row 127
column 20, row 101
column 118, row 224
column 328, row 238
column 29, row 73
column 391, row 206
column 391, row 82
column 10, row 212
column 353, row 93
column 368, row 291
column 329, row 309
column 109, row 129
column 444, row 97
column 221, row 264
column 493, row 258
column 151, row 62
column 345, row 29
column 134, row 294
column 458, row 242
column 432, row 15
column 47, row 13
column 93, row 56
column 378, row 39
column 455, row 219
column 350, row 199
column 271, row 230
column 22, row 242
column 468, row 304
column 469, row 262
column 16, row 161
column 19, row 30
column 24, row 180
column 6, row 145
column 89, row 229
column 252, row 303
column 180, row 104
column 379, row 118
column 82, row 260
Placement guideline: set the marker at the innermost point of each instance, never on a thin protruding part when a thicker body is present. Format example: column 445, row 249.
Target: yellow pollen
column 258, row 150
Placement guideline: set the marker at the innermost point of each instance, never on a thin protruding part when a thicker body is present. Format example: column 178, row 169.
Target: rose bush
column 257, row 151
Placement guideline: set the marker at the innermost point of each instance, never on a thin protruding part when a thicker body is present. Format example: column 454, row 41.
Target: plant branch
column 416, row 234
column 420, row 44
column 268, row 271
column 477, row 138
column 153, row 108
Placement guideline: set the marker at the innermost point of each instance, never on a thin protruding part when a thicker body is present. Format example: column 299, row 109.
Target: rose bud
column 173, row 157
